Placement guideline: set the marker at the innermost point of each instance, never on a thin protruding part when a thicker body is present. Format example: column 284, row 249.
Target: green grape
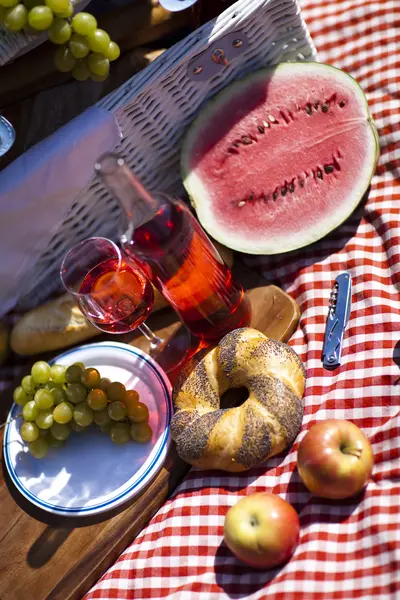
column 74, row 373
column 40, row 18
column 58, row 395
column 81, row 365
column 40, row 371
column 16, row 18
column 57, row 372
column 139, row 413
column 83, row 414
column 84, row 24
column 32, row 3
column 141, row 432
column 94, row 77
column 104, row 383
column 97, row 399
column 29, row 432
column 90, row 378
column 59, row 33
column 68, row 13
column 20, row 396
column 79, row 46
column 60, row 431
column 53, row 442
column 30, row 411
column 113, row 51
column 28, row 385
column 64, row 62
column 75, row 427
column 52, row 385
column 119, row 433
column 63, row 413
column 57, row 6
column 76, row 393
column 117, row 411
column 38, row 448
column 99, row 41
column 116, row 391
column 9, row 3
column 101, row 418
column 44, row 420
column 44, row 399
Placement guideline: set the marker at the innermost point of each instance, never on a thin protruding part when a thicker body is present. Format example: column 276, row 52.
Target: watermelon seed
column 308, row 109
column 233, row 151
column 284, row 191
column 319, row 174
column 328, row 169
column 251, row 196
column 284, row 117
column 316, row 104
column 261, row 129
column 291, row 188
column 275, row 195
column 235, row 145
column 336, row 164
column 267, row 125
column 272, row 119
column 301, row 183
column 246, row 140
column 241, row 203
column 324, row 108
column 342, row 103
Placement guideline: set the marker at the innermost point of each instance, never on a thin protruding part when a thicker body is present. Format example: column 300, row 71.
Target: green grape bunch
column 57, row 400
column 84, row 50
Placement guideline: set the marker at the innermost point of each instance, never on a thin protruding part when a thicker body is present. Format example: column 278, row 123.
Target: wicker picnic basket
column 152, row 111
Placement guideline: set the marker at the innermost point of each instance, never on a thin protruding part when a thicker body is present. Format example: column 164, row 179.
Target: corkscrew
column 338, row 318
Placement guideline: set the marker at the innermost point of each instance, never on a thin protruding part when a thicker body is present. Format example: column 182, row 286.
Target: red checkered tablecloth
column 347, row 549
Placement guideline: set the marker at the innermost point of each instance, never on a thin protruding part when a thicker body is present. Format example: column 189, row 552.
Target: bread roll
column 57, row 324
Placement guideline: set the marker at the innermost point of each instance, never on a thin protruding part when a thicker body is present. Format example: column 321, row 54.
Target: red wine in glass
column 123, row 295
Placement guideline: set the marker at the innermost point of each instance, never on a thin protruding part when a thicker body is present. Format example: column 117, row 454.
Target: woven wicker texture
column 154, row 108
column 13, row 45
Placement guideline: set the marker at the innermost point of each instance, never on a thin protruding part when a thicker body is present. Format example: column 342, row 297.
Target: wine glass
column 115, row 295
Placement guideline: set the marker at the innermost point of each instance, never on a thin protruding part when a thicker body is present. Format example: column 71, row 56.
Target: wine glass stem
column 151, row 337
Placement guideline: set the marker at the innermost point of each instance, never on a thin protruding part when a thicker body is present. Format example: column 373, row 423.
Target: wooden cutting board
column 55, row 558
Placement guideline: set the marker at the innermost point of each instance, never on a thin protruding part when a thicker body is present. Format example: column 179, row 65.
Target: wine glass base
column 176, row 349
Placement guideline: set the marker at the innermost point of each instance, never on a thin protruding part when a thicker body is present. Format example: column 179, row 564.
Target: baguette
column 57, row 324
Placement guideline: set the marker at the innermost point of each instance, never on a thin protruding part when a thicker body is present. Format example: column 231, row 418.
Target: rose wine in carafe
column 163, row 236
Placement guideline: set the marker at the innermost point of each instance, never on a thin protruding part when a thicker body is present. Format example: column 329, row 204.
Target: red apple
column 262, row 530
column 335, row 459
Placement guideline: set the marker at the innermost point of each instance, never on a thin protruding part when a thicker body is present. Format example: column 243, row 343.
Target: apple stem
column 352, row 451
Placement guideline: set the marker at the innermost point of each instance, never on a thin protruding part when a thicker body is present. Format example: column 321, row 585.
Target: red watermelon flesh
column 279, row 159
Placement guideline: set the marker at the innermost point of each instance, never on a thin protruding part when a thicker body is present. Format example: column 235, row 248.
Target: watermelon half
column 280, row 158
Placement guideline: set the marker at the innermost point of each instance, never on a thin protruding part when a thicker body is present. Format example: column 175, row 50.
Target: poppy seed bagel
column 238, row 438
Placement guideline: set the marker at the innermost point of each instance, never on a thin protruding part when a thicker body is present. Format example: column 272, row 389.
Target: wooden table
column 46, row 557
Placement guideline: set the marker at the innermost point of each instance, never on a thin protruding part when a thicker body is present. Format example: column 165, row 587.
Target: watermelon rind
column 198, row 193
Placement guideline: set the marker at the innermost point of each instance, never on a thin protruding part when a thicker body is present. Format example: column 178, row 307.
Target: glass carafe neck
column 138, row 204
